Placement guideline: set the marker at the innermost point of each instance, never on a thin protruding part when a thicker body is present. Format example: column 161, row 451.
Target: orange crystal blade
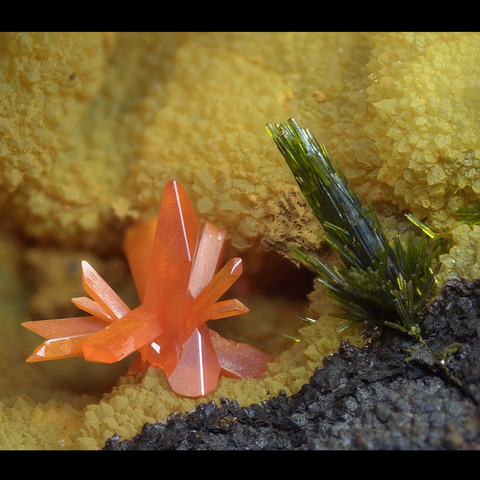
column 151, row 355
column 239, row 359
column 137, row 245
column 102, row 293
column 172, row 256
column 122, row 337
column 198, row 370
column 93, row 308
column 169, row 347
column 224, row 309
column 207, row 256
column 66, row 327
column 58, row 348
column 219, row 284
column 139, row 365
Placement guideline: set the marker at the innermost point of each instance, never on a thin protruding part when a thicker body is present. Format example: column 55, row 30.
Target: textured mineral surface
column 93, row 125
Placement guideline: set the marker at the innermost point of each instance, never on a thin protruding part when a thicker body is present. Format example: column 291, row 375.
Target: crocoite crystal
column 174, row 269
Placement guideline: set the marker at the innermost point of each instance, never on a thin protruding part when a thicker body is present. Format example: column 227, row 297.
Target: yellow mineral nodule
column 416, row 117
column 70, row 118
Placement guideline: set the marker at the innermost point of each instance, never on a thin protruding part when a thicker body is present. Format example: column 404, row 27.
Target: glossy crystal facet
column 197, row 372
column 122, row 337
column 102, row 293
column 139, row 258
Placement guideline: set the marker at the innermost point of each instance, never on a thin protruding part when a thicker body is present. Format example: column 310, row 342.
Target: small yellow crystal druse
column 406, row 127
column 71, row 112
column 93, row 125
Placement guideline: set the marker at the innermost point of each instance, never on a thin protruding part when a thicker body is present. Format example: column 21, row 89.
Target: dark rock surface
column 396, row 393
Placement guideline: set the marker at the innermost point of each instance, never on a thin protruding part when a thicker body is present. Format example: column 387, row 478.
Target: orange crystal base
column 175, row 274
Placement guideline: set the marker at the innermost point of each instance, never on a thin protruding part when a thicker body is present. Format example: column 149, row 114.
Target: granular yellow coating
column 463, row 259
column 222, row 154
column 92, row 126
column 70, row 122
column 405, row 128
column 218, row 154
column 92, row 136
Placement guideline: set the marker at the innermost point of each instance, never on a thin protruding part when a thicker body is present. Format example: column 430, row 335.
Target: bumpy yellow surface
column 92, row 126
column 71, row 121
column 406, row 127
column 463, row 259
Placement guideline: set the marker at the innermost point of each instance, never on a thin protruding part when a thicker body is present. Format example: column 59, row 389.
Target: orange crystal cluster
column 175, row 273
